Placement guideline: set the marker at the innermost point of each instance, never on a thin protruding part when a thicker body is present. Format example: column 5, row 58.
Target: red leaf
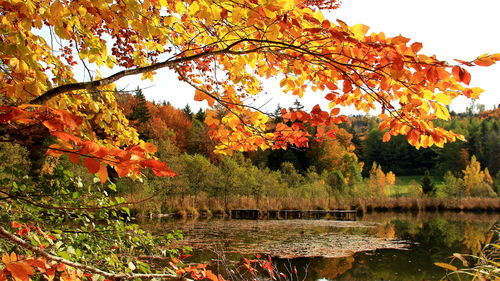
column 15, row 224
column 54, row 125
column 347, row 86
column 461, row 75
column 92, row 165
column 23, row 231
column 74, row 158
column 65, row 136
column 330, row 96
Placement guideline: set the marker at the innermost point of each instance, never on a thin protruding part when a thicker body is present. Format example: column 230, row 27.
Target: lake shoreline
column 360, row 206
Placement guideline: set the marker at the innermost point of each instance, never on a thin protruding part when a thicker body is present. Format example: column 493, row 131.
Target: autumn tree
column 377, row 180
column 337, row 154
column 223, row 49
column 348, row 65
column 477, row 182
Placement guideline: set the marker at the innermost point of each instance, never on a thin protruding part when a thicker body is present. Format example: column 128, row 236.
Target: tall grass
column 187, row 206
column 484, row 266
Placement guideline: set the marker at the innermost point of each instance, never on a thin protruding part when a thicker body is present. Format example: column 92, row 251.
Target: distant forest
column 358, row 138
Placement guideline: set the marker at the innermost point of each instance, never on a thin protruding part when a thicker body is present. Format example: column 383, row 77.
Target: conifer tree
column 141, row 112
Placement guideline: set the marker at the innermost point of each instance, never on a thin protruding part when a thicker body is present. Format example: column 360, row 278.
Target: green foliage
column 290, row 175
column 453, row 186
column 497, row 183
column 13, row 159
column 427, row 184
column 396, row 155
column 90, row 223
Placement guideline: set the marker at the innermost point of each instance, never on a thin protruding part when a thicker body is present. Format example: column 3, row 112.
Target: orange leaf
column 149, row 147
column 335, row 111
column 103, row 174
column 15, row 224
column 20, row 270
column 61, row 267
column 461, row 74
column 38, row 263
column 446, row 266
column 415, row 47
column 386, row 137
column 347, row 86
column 65, row 136
column 5, row 258
column 92, row 165
column 54, row 125
column 201, row 96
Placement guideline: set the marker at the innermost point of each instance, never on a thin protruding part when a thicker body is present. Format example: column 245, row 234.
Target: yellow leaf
column 441, row 112
column 359, row 30
column 476, row 91
column 446, row 266
column 442, row 98
column 194, row 8
column 237, row 14
column 425, row 107
column 428, row 94
column 180, row 7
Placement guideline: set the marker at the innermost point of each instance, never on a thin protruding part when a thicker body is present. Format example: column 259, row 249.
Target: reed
column 192, row 207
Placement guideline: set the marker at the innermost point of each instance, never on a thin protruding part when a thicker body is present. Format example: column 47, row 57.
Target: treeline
column 329, row 174
column 355, row 165
column 359, row 139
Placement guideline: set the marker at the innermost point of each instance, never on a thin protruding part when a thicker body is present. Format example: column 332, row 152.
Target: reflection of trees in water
column 387, row 230
column 476, row 236
column 465, row 232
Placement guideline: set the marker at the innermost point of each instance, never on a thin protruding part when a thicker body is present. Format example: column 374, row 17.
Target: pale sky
column 461, row 29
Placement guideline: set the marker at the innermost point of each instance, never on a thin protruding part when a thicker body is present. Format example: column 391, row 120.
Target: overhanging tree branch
column 111, row 275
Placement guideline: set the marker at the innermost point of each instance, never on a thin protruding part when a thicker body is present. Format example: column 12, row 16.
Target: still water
column 384, row 246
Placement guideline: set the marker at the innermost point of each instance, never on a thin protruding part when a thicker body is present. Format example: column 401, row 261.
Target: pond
column 383, row 246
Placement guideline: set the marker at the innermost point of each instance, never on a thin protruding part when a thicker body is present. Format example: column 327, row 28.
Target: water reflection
column 379, row 247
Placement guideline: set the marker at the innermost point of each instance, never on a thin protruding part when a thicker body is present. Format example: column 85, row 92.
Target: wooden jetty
column 246, row 214
column 349, row 215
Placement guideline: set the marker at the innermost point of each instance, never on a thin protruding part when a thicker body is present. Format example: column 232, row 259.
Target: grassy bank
column 204, row 206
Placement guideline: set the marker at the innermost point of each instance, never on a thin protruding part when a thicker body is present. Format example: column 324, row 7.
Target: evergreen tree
column 200, row 115
column 297, row 105
column 141, row 111
column 187, row 110
column 428, row 186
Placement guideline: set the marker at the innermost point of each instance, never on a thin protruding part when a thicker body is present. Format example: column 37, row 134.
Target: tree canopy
column 223, row 49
